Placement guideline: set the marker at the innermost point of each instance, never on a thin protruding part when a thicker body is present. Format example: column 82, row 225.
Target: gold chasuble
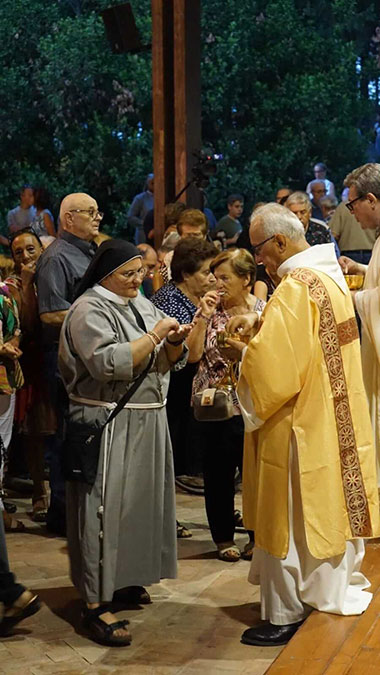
column 303, row 370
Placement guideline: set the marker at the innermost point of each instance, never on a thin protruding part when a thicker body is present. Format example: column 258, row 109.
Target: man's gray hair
column 365, row 178
column 317, row 181
column 299, row 198
column 277, row 219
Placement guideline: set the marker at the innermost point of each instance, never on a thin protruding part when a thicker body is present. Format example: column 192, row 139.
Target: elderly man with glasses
column 59, row 270
column 364, row 204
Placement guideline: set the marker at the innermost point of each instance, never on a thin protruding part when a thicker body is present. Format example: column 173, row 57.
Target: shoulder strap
column 138, row 317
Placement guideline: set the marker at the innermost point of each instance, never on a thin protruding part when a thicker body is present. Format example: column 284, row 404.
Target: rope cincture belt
column 111, row 406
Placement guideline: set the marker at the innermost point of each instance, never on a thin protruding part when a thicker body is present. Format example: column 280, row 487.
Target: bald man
column 59, row 269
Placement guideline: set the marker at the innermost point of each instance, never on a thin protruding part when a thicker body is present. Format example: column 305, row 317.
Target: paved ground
column 193, row 626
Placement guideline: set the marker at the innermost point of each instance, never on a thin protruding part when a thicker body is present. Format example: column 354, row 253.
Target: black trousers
column 9, row 589
column 182, row 426
column 222, row 446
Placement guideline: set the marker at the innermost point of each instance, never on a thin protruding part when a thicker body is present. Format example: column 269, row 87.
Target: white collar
column 110, row 295
column 321, row 258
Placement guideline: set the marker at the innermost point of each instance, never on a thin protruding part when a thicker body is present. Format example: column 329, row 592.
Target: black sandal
column 19, row 611
column 132, row 595
column 103, row 632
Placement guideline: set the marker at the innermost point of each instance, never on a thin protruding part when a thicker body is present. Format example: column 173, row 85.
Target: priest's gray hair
column 365, row 179
column 277, row 219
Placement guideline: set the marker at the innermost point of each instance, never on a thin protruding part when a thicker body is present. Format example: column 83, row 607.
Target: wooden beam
column 187, row 94
column 163, row 103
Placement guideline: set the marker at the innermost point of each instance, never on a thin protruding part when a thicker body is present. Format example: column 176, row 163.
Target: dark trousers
column 222, row 446
column 182, row 426
column 362, row 256
column 9, row 589
column 56, row 517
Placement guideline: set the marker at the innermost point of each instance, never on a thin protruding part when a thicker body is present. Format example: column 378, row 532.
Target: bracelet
column 202, row 316
column 152, row 339
column 156, row 338
column 176, row 343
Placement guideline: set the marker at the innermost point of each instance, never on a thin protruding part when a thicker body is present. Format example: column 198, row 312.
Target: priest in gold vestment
column 309, row 478
column 364, row 203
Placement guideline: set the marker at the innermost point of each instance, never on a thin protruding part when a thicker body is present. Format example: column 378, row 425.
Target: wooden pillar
column 176, row 48
column 187, row 94
column 163, row 130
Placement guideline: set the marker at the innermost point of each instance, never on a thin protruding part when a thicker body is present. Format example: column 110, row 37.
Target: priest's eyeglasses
column 256, row 249
column 349, row 204
column 93, row 213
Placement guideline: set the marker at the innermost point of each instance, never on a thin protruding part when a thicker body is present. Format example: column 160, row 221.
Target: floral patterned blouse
column 212, row 367
column 11, row 377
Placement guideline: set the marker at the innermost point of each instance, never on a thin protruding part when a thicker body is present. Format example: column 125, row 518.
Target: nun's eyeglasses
column 128, row 276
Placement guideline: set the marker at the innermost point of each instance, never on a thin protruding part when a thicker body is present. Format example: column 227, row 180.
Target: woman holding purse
column 223, row 440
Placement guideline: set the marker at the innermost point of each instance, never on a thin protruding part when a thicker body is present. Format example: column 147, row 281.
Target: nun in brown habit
column 121, row 531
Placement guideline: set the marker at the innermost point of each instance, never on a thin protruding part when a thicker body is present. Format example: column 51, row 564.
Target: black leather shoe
column 269, row 635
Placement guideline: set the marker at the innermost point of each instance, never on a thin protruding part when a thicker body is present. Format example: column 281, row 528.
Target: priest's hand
column 233, row 349
column 350, row 266
column 244, row 324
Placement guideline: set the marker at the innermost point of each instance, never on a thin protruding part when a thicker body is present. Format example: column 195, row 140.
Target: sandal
column 11, row 524
column 132, row 595
column 247, row 552
column 39, row 511
column 228, row 552
column 103, row 632
column 25, row 605
column 182, row 531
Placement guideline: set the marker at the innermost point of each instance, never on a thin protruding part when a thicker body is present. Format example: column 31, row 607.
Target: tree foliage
column 287, row 92
column 280, row 91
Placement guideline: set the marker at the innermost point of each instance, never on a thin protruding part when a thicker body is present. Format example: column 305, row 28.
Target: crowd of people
column 231, row 351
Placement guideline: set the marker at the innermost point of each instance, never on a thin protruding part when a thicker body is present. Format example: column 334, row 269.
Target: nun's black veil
column 110, row 255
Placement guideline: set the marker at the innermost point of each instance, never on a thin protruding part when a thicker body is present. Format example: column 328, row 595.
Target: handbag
column 81, row 447
column 213, row 405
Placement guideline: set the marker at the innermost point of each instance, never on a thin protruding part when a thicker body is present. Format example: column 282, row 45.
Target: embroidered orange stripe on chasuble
column 332, row 337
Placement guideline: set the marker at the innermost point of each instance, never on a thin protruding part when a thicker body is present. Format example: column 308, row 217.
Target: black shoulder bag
column 81, row 447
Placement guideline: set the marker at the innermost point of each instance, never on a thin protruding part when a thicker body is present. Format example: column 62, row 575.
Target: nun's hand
column 165, row 326
column 180, row 334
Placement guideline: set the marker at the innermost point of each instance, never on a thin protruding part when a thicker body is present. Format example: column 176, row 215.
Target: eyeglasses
column 256, row 249
column 135, row 273
column 93, row 213
column 349, row 204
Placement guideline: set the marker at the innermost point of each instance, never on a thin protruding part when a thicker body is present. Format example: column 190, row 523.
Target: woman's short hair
column 189, row 254
column 193, row 217
column 241, row 261
column 329, row 202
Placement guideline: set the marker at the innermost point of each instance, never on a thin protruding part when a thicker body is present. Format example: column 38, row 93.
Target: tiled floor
column 192, row 627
